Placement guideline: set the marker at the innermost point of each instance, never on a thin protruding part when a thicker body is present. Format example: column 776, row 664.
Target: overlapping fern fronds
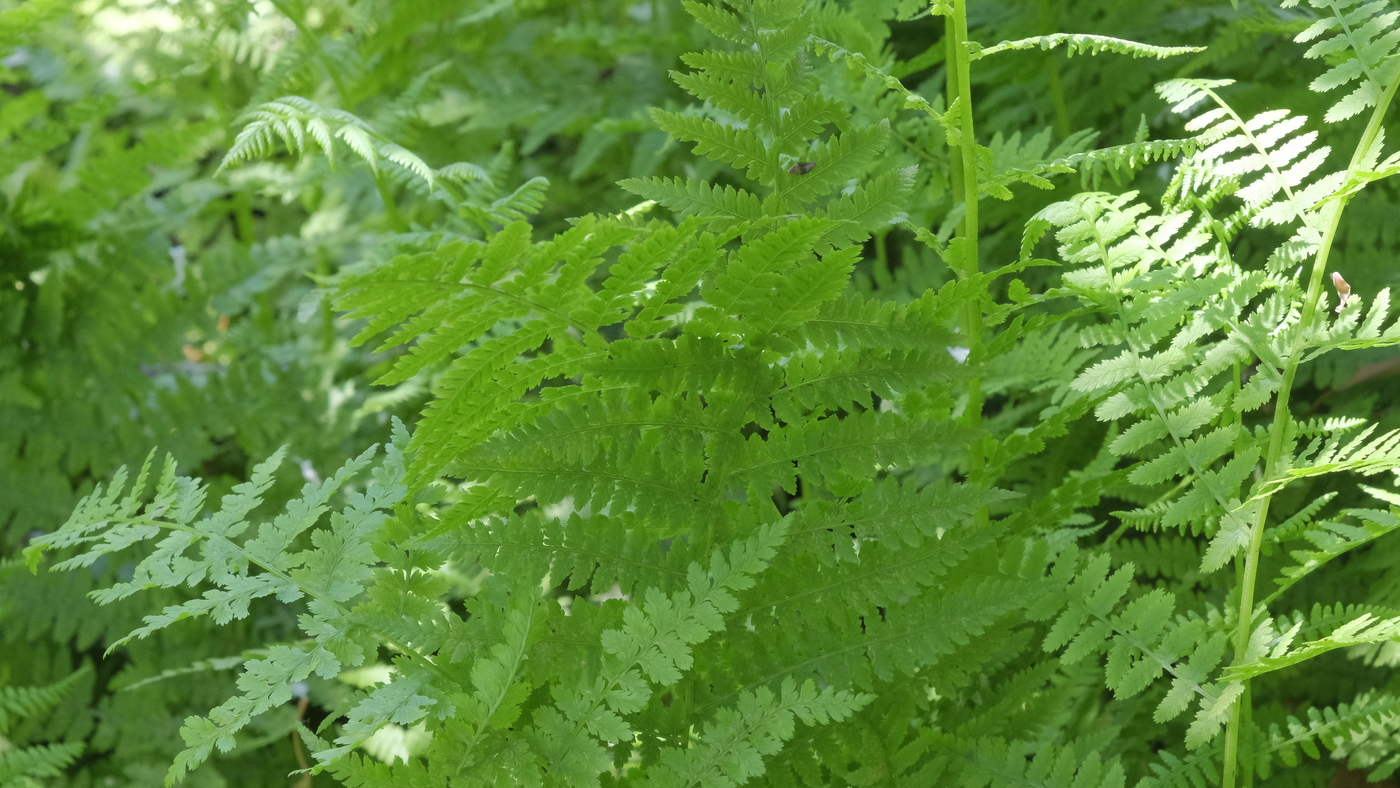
column 1197, row 342
column 23, row 764
column 684, row 510
column 1269, row 160
column 616, row 404
column 329, row 572
column 1164, row 375
column 1365, row 32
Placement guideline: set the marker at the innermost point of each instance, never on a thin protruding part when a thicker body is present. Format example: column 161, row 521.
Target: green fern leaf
column 731, row 748
column 1077, row 43
column 1368, row 36
column 702, row 199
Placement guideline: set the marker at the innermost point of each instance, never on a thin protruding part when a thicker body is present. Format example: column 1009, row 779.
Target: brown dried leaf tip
column 1343, row 290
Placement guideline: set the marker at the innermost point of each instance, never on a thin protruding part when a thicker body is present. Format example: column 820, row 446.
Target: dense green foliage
column 790, row 392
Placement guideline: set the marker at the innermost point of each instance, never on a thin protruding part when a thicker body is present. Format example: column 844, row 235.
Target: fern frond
column 1350, row 331
column 1363, row 629
column 739, row 147
column 1360, row 455
column 358, row 771
column 837, row 379
column 1298, row 523
column 997, row 762
column 1334, row 539
column 698, row 197
column 731, row 747
column 1365, row 33
column 199, row 666
column 1026, row 161
column 299, row 123
column 610, row 402
column 866, row 646
column 21, row 766
column 832, row 449
column 521, row 204
column 334, row 570
column 21, row 763
column 722, row 22
column 24, row 702
column 653, row 646
column 1116, row 158
column 1278, row 159
column 858, row 322
column 454, row 298
column 1165, row 387
column 836, row 161
column 1327, row 426
column 596, row 552
column 1193, row 771
column 1084, row 43
column 858, row 62
column 1357, row 733
column 1335, row 729
column 1140, row 643
column 860, row 211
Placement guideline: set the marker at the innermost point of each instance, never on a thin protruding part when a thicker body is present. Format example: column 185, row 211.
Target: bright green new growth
column 299, row 124
column 329, row 572
column 1077, row 43
column 1180, row 379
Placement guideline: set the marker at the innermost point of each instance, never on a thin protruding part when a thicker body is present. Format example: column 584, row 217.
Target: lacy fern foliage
column 330, row 571
column 701, row 494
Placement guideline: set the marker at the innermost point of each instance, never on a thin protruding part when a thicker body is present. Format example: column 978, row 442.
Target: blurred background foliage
column 149, row 298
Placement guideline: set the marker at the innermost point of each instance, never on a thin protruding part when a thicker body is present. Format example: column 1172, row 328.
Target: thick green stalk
column 965, row 175
column 1244, row 617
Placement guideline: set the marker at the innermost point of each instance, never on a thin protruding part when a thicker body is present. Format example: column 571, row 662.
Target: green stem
column 391, row 208
column 1244, row 616
column 965, row 175
column 952, row 91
